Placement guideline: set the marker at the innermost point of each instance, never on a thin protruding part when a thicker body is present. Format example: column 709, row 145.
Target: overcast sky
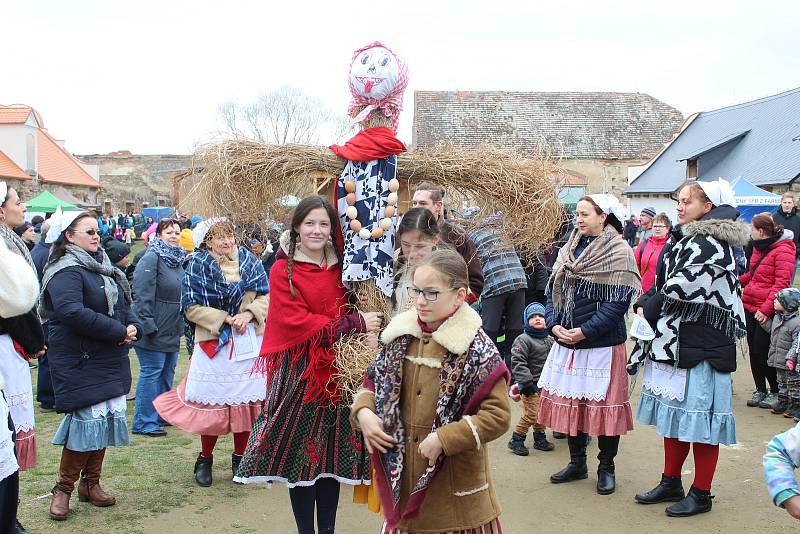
column 148, row 75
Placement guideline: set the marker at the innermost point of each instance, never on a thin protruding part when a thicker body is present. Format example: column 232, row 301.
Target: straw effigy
column 246, row 180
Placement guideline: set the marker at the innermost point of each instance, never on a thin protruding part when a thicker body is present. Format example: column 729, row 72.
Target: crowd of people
column 472, row 326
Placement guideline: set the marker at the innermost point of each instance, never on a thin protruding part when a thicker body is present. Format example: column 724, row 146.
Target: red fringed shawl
column 372, row 143
column 295, row 325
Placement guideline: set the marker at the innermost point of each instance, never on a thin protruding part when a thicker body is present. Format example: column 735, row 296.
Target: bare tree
column 284, row 115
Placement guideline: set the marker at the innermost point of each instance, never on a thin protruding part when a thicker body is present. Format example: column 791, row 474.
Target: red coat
column 774, row 274
column 646, row 255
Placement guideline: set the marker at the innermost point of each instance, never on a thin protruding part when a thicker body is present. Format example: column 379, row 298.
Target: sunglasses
column 90, row 232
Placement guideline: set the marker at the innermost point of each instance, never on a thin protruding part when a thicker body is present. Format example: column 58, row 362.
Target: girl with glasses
column 649, row 250
column 437, row 370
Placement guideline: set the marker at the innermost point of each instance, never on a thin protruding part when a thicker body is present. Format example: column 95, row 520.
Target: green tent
column 47, row 202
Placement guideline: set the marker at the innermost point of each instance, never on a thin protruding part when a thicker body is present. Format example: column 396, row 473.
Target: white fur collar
column 455, row 335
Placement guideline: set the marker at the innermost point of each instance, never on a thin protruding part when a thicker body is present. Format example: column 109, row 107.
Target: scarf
column 605, row 270
column 16, row 244
column 172, row 256
column 204, row 284
column 373, row 143
column 297, row 332
column 700, row 285
column 99, row 263
column 762, row 244
column 466, row 379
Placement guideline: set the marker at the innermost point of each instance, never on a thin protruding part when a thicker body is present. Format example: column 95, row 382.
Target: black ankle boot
column 236, row 459
column 540, row 442
column 670, row 489
column 576, row 468
column 517, row 444
column 606, row 481
column 202, row 471
column 697, row 501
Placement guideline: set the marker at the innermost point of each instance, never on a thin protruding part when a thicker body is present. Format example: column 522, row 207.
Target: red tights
column 207, row 444
column 705, row 461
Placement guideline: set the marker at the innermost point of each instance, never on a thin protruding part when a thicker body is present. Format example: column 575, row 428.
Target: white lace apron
column 8, row 461
column 664, row 379
column 223, row 379
column 18, row 388
column 577, row 373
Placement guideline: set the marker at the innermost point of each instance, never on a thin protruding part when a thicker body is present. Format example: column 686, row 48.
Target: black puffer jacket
column 603, row 323
column 790, row 221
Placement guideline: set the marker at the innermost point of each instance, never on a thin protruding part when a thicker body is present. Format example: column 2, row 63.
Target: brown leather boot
column 89, row 489
column 68, row 472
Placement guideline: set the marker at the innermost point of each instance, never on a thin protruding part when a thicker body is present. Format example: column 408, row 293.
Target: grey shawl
column 77, row 257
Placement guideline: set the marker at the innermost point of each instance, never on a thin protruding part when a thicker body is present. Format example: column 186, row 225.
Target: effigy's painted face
column 374, row 73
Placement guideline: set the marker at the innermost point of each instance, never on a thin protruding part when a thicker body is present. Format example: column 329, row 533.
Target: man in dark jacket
column 786, row 215
column 430, row 196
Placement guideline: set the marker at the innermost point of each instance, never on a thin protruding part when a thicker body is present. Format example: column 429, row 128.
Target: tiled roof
column 58, row 166
column 9, row 169
column 758, row 140
column 575, row 125
column 14, row 114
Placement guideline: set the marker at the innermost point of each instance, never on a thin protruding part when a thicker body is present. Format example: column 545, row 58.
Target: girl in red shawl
column 303, row 437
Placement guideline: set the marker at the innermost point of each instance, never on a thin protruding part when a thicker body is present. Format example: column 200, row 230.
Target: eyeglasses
column 429, row 294
column 91, row 231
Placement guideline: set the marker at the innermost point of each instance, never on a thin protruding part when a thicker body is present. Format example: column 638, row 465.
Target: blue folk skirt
column 705, row 415
column 94, row 427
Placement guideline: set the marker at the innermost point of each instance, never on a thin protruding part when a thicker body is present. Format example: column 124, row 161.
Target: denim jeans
column 156, row 372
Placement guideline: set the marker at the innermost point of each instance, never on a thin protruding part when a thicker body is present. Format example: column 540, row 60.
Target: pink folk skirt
column 611, row 416
column 232, row 398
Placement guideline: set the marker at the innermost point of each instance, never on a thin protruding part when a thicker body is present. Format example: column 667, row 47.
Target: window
column 691, row 168
column 30, row 154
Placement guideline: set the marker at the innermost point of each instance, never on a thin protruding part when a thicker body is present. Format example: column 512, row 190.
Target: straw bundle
column 247, row 179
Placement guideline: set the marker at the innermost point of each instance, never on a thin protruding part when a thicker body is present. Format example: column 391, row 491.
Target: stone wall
column 604, row 175
column 130, row 181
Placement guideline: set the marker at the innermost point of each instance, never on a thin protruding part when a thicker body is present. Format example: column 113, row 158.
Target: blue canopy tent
column 753, row 200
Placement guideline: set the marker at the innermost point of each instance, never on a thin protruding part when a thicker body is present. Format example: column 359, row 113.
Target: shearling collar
column 455, row 335
column 299, row 255
column 731, row 232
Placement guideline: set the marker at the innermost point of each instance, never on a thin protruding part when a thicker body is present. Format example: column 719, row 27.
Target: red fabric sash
column 295, row 325
column 372, row 143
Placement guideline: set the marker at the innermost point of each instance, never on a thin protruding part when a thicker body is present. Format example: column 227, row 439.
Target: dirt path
column 530, row 502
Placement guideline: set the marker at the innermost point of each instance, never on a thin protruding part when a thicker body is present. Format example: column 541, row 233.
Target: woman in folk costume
column 432, row 400
column 303, row 437
column 224, row 300
column 584, row 384
column 696, row 312
column 20, row 340
column 87, row 302
column 19, row 290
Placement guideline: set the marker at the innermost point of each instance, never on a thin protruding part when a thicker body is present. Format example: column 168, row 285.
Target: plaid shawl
column 605, row 270
column 204, row 284
column 466, row 379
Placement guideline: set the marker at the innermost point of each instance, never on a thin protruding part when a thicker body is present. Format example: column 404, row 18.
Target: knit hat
column 116, row 250
column 650, row 212
column 22, row 228
column 534, row 308
column 186, row 240
column 789, row 299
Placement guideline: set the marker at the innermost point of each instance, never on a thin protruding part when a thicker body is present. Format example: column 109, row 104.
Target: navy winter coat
column 603, row 323
column 87, row 363
column 39, row 254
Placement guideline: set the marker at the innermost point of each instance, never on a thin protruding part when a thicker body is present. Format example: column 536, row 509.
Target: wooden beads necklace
column 385, row 222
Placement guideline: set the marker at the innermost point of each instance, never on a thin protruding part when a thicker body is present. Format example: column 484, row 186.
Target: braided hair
column 298, row 216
